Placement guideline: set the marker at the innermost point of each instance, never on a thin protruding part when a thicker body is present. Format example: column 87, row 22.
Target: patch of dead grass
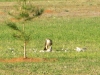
column 69, row 8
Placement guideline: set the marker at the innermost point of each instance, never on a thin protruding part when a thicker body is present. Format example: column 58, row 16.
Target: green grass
column 67, row 63
column 71, row 32
column 83, row 32
column 7, row 0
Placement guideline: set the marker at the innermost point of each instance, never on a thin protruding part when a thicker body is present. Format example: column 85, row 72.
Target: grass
column 70, row 31
column 73, row 32
column 68, row 63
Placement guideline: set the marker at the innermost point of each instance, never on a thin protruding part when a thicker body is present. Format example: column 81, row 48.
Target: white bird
column 48, row 45
column 80, row 49
column 49, row 49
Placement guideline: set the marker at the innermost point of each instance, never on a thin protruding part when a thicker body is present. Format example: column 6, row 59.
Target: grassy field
column 70, row 25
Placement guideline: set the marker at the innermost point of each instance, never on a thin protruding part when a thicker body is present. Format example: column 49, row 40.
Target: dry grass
column 69, row 8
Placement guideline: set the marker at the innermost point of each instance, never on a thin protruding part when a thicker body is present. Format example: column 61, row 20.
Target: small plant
column 24, row 11
column 66, row 10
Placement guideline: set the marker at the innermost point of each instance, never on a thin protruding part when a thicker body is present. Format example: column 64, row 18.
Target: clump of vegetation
column 23, row 12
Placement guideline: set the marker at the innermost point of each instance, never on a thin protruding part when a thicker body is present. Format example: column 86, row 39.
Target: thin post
column 24, row 42
column 24, row 49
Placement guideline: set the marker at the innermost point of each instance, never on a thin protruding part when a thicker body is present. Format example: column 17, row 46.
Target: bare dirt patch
column 21, row 59
column 48, row 11
column 1, row 13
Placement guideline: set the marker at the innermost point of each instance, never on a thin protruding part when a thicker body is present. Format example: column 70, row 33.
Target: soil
column 21, row 59
column 48, row 11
